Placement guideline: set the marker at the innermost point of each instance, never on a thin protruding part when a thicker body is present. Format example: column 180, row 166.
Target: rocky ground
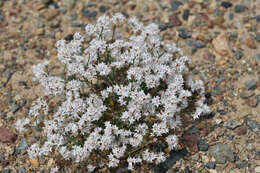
column 221, row 37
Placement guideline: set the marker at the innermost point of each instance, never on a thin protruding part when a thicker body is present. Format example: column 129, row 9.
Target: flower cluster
column 121, row 95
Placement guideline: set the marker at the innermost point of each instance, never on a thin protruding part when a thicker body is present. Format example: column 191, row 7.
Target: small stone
column 257, row 37
column 7, row 136
column 186, row 14
column 226, row 4
column 230, row 136
column 232, row 124
column 34, row 161
column 68, row 3
column 241, row 130
column 255, row 127
column 89, row 14
column 246, row 94
column 162, row 27
column 102, row 9
column 193, row 130
column 40, row 24
column 221, row 153
column 174, row 20
column 51, row 14
column 257, row 57
column 257, row 98
column 22, row 170
column 211, row 165
column 195, row 44
column 257, row 18
column 7, row 171
column 221, row 111
column 251, row 43
column 239, row 54
column 40, row 31
column 221, row 45
column 73, row 16
column 184, row 33
column 76, row 24
column 203, row 145
column 175, row 4
column 239, row 8
column 252, row 102
column 219, row 20
column 22, row 146
column 231, row 16
column 258, row 153
column 241, row 164
column 257, row 169
column 15, row 107
column 251, row 84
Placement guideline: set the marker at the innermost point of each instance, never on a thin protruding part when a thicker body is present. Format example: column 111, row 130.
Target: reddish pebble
column 7, row 136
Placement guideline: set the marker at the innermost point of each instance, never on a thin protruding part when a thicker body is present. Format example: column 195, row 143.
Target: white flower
column 172, row 141
column 54, row 170
column 20, row 123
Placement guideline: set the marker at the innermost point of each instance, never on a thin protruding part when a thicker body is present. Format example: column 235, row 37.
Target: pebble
column 257, row 57
column 102, row 9
column 246, row 94
column 221, row 111
column 76, row 24
column 162, row 27
column 226, row 4
column 251, row 43
column 184, row 33
column 51, row 14
column 15, row 107
column 221, row 153
column 68, row 3
column 211, row 165
column 174, row 20
column 203, row 145
column 241, row 130
column 89, row 14
column 221, row 45
column 22, row 170
column 251, row 84
column 175, row 4
column 239, row 8
column 7, row 171
column 257, row 98
column 22, row 146
column 40, row 24
column 238, row 54
column 232, row 124
column 186, row 14
column 230, row 136
column 7, row 136
column 257, row 37
column 73, row 16
column 194, row 44
column 241, row 164
column 255, row 127
column 40, row 31
column 252, row 102
column 193, row 130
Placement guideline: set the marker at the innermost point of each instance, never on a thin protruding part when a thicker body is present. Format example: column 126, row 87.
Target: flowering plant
column 120, row 95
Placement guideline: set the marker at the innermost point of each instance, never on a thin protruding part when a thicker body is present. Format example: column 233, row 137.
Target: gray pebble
column 232, row 124
column 221, row 153
column 240, row 8
column 241, row 164
column 255, row 127
column 251, row 84
column 203, row 145
column 22, row 146
column 257, row 57
column 239, row 54
column 257, row 37
column 89, row 14
column 175, row 4
column 15, row 107
column 211, row 165
column 184, row 33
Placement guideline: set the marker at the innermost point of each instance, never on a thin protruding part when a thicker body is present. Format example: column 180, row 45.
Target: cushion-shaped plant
column 121, row 95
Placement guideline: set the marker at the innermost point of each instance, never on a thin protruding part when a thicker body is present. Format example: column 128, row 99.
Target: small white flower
column 172, row 141
column 20, row 123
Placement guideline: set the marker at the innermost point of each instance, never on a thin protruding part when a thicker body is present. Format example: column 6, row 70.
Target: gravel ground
column 221, row 37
